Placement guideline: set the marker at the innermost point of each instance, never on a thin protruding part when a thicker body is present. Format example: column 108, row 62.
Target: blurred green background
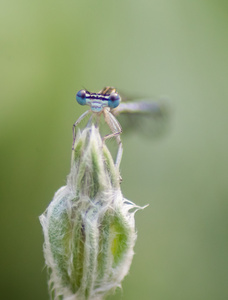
column 51, row 49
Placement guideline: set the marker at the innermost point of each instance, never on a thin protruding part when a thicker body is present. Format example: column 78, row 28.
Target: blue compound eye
column 81, row 97
column 114, row 100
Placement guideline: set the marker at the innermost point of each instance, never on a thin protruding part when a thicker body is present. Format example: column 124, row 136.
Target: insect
column 108, row 102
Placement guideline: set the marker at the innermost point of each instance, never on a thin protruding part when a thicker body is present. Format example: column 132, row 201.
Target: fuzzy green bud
column 89, row 227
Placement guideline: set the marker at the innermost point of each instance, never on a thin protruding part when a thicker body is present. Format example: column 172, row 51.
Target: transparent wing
column 146, row 117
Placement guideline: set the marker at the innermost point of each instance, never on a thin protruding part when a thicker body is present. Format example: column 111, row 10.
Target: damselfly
column 108, row 102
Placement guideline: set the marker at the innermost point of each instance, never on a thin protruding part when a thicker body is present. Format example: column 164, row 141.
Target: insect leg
column 76, row 123
column 116, row 129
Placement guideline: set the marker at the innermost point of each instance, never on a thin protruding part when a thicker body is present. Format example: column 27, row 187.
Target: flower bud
column 89, row 227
